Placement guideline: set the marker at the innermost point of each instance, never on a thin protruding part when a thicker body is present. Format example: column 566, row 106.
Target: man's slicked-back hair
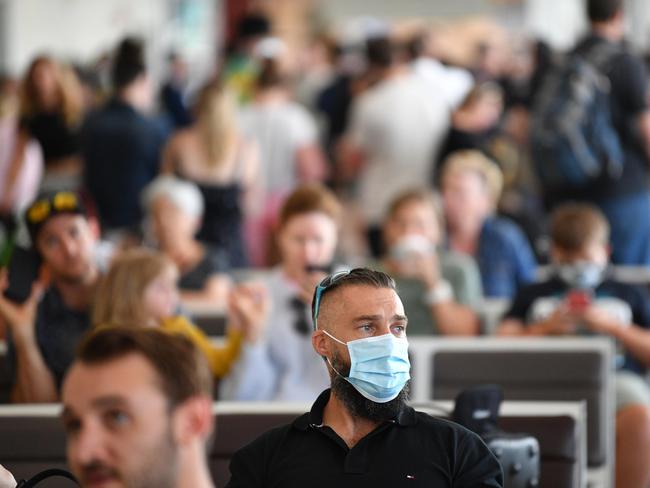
column 182, row 370
column 603, row 10
column 356, row 277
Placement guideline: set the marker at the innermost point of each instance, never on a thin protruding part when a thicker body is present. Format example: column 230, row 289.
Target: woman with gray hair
column 174, row 209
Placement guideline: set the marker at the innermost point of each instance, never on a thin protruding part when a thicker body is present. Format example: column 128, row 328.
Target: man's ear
column 192, row 420
column 321, row 344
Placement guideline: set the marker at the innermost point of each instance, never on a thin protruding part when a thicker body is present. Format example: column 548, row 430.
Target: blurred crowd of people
column 284, row 168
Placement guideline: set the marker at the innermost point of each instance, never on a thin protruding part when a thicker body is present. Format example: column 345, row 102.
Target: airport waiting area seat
column 530, row 369
column 33, row 437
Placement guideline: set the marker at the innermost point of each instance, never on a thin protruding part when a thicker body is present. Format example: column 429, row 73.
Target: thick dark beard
column 358, row 405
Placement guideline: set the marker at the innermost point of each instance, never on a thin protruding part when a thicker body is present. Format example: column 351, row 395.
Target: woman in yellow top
column 140, row 290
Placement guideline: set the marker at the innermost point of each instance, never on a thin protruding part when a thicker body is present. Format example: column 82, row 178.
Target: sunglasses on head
column 322, row 288
column 61, row 202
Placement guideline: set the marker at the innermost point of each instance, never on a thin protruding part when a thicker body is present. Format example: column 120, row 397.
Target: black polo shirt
column 414, row 450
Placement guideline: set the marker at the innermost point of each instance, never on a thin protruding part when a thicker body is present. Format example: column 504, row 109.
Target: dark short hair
column 576, row 225
column 603, row 10
column 128, row 63
column 182, row 369
column 380, row 51
column 357, row 276
column 253, row 25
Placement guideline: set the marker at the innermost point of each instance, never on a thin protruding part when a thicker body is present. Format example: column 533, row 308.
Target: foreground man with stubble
column 137, row 411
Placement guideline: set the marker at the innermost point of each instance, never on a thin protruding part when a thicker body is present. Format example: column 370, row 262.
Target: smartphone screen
column 578, row 300
column 23, row 270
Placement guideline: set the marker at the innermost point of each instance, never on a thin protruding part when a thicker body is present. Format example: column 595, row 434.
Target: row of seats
column 539, row 369
column 531, row 369
column 33, row 438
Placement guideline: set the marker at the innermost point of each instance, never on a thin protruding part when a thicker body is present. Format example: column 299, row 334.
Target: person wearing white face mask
column 581, row 298
column 361, row 432
column 440, row 289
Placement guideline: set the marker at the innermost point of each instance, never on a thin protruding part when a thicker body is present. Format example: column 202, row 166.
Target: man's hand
column 248, row 309
column 6, row 478
column 20, row 318
column 600, row 320
column 424, row 267
column 561, row 322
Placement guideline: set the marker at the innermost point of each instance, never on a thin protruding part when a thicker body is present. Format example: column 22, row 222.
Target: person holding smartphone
column 280, row 364
column 45, row 328
column 580, row 298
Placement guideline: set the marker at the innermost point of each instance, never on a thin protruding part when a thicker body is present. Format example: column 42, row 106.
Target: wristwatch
column 441, row 292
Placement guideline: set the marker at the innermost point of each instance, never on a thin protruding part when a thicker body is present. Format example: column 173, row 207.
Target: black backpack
column 572, row 138
column 478, row 410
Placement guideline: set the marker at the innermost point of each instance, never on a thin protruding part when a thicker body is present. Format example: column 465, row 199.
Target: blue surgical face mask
column 583, row 275
column 379, row 366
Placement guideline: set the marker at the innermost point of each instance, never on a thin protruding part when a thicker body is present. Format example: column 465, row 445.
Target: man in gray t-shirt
column 440, row 289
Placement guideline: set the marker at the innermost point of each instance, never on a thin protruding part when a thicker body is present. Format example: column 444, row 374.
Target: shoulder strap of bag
column 43, row 475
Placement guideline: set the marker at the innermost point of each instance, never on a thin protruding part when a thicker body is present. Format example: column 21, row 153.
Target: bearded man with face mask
column 361, row 432
column 582, row 299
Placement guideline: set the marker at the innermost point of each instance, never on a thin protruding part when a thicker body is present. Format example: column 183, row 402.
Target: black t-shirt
column 636, row 297
column 57, row 140
column 58, row 331
column 414, row 450
column 121, row 150
column 628, row 100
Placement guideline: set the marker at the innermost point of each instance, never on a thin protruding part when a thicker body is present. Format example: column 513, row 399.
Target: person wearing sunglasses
column 360, row 431
column 280, row 364
column 45, row 328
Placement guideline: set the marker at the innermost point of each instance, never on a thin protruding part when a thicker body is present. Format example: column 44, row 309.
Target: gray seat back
column 533, row 369
column 33, row 439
